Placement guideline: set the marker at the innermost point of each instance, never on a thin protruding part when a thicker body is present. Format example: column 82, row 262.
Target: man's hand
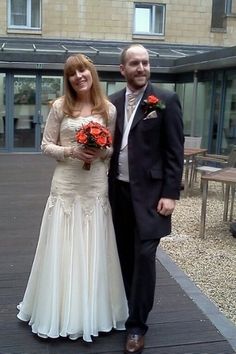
column 166, row 206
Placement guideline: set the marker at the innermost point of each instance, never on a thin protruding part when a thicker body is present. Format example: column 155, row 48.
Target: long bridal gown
column 75, row 286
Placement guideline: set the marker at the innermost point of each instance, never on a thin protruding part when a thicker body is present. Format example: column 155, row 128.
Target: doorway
column 25, row 106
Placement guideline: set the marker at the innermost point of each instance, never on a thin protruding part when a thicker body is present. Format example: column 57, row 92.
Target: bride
column 75, row 287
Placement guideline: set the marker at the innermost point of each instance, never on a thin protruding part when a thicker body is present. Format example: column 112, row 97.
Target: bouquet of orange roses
column 93, row 135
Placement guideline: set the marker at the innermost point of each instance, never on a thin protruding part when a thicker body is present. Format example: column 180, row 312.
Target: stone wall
column 187, row 22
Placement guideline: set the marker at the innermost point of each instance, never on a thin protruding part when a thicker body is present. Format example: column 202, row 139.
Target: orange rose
column 101, row 140
column 81, row 137
column 152, row 99
column 95, row 131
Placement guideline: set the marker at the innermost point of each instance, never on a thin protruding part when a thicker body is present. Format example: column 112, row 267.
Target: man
column 144, row 182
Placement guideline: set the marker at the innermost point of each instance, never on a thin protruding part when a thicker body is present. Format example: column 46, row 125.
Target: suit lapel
column 139, row 115
column 120, row 111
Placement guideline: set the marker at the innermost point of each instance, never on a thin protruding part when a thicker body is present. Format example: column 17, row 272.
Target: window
column 218, row 14
column 230, row 7
column 149, row 19
column 221, row 9
column 24, row 14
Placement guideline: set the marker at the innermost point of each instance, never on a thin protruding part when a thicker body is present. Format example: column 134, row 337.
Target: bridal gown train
column 75, row 286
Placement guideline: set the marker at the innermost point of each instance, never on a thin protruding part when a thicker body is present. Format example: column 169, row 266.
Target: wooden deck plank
column 177, row 325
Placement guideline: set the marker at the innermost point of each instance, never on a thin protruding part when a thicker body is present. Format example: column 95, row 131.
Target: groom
column 144, row 182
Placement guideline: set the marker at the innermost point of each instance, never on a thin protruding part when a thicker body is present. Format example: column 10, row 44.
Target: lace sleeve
column 111, row 126
column 51, row 135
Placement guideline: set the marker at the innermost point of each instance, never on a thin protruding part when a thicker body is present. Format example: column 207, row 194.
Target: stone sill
column 148, row 37
column 23, row 31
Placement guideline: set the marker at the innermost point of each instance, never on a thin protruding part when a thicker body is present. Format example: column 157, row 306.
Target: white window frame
column 28, row 16
column 152, row 7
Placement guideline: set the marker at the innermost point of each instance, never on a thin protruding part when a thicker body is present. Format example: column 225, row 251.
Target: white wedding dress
column 75, row 287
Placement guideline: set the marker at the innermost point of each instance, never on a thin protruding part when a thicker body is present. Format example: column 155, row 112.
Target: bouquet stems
column 86, row 166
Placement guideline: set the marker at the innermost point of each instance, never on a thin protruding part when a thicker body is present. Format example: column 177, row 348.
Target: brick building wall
column 187, row 22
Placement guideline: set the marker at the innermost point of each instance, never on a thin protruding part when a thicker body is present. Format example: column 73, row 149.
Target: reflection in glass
column 114, row 86
column 216, row 114
column 2, row 112
column 142, row 19
column 230, row 112
column 25, row 13
column 52, row 87
column 201, row 126
column 203, row 112
column 185, row 93
column 149, row 18
column 159, row 19
column 18, row 12
column 24, row 111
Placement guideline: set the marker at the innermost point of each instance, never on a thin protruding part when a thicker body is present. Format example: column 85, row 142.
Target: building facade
column 189, row 42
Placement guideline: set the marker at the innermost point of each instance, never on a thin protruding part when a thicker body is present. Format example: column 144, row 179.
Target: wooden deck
column 176, row 324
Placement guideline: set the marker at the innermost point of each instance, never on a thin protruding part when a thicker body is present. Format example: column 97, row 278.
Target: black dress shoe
column 134, row 344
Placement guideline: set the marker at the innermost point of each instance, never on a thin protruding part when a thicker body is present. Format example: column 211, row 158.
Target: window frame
column 28, row 25
column 152, row 7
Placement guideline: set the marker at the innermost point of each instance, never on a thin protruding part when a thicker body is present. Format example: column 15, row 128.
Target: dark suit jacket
column 155, row 157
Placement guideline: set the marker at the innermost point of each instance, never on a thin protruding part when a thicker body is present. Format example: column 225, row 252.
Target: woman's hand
column 87, row 155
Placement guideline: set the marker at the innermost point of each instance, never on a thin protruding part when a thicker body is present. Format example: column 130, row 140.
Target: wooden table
column 226, row 176
column 189, row 156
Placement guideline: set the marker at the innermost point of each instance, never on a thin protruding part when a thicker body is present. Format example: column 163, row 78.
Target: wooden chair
column 192, row 141
column 212, row 162
column 189, row 143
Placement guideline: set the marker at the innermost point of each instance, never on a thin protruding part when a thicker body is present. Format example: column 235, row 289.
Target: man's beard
column 138, row 84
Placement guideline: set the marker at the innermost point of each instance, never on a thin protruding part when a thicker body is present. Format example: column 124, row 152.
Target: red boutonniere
column 153, row 103
column 95, row 135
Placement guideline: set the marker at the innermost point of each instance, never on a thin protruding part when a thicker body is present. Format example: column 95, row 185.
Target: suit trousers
column 137, row 258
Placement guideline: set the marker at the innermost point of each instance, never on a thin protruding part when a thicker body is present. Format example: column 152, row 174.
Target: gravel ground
column 210, row 263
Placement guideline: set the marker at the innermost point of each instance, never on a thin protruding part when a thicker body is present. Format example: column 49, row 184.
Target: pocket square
column 152, row 114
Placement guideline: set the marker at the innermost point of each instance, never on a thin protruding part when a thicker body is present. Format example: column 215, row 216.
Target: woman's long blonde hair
column 98, row 98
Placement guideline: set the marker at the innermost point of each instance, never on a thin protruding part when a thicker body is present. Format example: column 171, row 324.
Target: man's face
column 136, row 69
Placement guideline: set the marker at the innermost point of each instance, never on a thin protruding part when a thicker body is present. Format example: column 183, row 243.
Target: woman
column 75, row 287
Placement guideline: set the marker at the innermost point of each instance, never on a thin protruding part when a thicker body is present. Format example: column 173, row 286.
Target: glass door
column 2, row 111
column 24, row 112
column 25, row 101
column 229, row 129
column 51, row 88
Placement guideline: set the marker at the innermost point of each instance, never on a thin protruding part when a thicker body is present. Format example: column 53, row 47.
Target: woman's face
column 81, row 81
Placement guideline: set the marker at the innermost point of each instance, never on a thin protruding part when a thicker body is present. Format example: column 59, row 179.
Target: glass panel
column 114, row 87
column 216, row 111
column 2, row 112
column 35, row 13
column 24, row 111
column 228, row 7
column 159, row 18
column 203, row 112
column 218, row 11
column 18, row 12
column 233, row 7
column 185, row 93
column 230, row 112
column 52, row 87
column 166, row 86
column 142, row 19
